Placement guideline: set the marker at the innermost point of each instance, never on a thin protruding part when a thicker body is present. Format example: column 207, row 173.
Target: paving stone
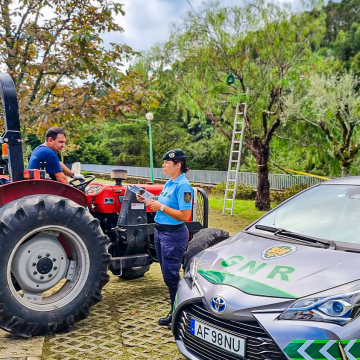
column 15, row 347
column 123, row 326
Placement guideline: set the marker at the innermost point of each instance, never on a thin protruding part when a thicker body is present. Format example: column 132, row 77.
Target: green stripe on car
column 322, row 349
column 247, row 285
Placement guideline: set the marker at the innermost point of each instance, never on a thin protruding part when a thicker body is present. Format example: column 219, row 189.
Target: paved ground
column 122, row 326
column 12, row 347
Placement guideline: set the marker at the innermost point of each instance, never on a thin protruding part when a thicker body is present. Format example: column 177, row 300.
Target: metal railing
column 277, row 181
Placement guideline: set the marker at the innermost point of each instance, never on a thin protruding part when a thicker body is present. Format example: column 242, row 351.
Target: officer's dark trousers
column 170, row 248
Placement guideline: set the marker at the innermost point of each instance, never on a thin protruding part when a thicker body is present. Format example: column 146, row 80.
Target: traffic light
column 230, row 79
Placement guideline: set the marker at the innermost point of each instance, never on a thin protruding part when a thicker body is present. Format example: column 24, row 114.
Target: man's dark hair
column 53, row 132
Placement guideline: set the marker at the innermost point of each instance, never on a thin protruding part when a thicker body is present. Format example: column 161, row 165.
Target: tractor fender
column 18, row 189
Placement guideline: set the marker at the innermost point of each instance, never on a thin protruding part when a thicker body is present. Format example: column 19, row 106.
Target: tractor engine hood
column 263, row 267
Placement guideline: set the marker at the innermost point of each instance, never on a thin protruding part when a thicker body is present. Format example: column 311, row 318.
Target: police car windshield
column 329, row 212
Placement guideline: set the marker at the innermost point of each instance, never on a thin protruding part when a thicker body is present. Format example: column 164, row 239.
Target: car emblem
column 278, row 251
column 218, row 304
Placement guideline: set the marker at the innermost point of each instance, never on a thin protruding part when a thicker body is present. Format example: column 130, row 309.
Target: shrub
column 277, row 197
column 243, row 191
column 247, row 192
column 218, row 189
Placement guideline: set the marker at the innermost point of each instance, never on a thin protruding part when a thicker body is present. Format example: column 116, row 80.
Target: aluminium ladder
column 235, row 158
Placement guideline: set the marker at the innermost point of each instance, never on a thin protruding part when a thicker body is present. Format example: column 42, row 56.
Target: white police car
column 286, row 287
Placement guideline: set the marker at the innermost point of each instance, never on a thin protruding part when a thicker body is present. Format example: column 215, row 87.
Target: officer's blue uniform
column 45, row 158
column 171, row 236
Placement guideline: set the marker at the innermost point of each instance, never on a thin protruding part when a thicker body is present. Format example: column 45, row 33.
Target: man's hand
column 78, row 177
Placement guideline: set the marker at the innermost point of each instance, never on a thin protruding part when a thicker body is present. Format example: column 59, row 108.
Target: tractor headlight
column 338, row 309
column 191, row 269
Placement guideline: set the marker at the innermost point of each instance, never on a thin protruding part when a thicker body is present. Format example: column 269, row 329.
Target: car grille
column 259, row 346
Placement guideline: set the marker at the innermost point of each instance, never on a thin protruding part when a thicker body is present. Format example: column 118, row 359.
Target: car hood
column 264, row 267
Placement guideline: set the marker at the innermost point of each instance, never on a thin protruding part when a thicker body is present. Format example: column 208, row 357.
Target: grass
column 244, row 214
column 103, row 181
column 243, row 208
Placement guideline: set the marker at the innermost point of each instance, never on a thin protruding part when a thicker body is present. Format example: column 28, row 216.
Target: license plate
column 217, row 337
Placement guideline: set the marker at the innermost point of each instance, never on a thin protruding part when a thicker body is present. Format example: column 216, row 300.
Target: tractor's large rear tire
column 57, row 254
column 202, row 240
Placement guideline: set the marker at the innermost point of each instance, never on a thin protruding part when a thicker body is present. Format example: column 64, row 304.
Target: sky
column 147, row 22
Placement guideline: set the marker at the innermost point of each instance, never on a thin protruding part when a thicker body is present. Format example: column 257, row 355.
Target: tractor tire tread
column 44, row 205
column 134, row 273
column 202, row 240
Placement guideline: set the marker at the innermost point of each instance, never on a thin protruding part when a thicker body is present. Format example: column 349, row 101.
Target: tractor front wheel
column 202, row 240
column 134, row 272
column 53, row 264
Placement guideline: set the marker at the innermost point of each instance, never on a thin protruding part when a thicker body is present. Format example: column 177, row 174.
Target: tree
column 340, row 17
column 265, row 46
column 331, row 105
column 63, row 73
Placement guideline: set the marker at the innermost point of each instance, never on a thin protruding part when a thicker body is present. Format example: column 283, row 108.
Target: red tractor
column 58, row 241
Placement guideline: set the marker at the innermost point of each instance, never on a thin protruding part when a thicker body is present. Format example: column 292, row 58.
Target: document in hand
column 141, row 192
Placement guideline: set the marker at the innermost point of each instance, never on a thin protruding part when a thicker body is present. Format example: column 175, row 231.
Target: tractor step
column 118, row 263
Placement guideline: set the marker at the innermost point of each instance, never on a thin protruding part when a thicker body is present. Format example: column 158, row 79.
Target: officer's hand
column 139, row 198
column 78, row 177
column 154, row 205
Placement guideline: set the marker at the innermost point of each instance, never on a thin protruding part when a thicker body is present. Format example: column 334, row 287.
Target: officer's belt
column 160, row 227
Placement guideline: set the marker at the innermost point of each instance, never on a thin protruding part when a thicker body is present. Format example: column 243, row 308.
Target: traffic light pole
column 151, row 152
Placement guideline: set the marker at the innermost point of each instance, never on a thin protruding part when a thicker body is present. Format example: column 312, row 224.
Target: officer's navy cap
column 174, row 155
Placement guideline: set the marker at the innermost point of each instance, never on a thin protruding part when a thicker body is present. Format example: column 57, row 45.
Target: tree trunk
column 345, row 169
column 261, row 154
column 262, row 200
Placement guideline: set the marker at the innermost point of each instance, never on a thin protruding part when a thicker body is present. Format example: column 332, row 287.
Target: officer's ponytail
column 182, row 161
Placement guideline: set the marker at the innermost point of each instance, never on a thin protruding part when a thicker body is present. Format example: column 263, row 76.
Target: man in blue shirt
column 45, row 157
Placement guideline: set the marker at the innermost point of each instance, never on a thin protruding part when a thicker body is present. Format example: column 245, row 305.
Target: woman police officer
column 171, row 234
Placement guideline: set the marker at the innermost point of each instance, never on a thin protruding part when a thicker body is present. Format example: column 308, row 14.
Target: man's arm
column 60, row 176
column 66, row 170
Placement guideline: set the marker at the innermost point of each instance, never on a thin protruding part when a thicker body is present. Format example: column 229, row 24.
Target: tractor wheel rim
column 65, row 290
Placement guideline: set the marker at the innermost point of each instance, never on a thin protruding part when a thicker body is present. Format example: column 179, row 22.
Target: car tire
column 49, row 227
column 202, row 240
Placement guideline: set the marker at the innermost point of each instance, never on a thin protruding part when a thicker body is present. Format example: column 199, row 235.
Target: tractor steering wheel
column 82, row 183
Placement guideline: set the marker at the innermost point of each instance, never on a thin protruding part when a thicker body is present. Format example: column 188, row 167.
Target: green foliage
column 243, row 208
column 63, row 74
column 247, row 192
column 265, row 46
column 342, row 37
column 330, row 106
column 278, row 197
column 243, row 191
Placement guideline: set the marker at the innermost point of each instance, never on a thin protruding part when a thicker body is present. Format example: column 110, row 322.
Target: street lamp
column 150, row 116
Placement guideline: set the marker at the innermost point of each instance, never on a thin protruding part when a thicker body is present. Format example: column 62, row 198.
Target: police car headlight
column 338, row 309
column 191, row 269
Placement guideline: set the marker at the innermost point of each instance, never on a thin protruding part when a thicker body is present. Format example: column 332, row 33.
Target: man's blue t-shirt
column 44, row 158
column 177, row 194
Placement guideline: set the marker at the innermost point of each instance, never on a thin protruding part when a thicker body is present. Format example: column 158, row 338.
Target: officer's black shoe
column 166, row 320
column 169, row 326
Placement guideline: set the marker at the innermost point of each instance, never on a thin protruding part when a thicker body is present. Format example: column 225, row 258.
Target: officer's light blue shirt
column 177, row 194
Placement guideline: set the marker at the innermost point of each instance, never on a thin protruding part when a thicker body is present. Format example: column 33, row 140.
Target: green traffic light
column 230, row 79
